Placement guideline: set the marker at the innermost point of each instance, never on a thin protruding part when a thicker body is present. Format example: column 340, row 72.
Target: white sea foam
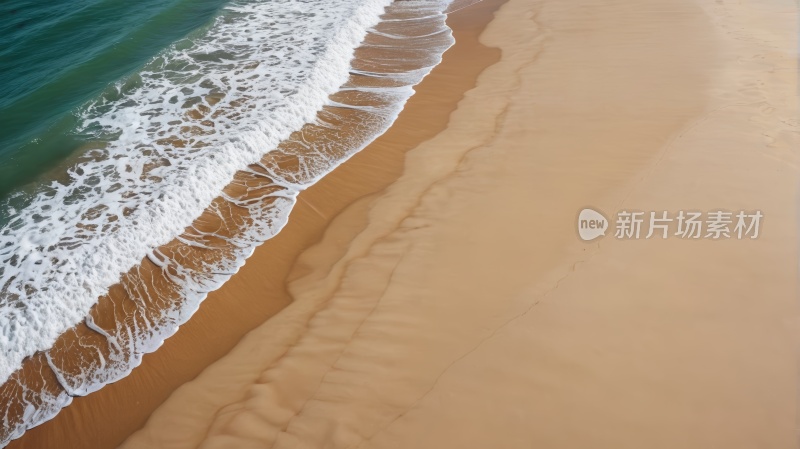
column 272, row 65
column 56, row 271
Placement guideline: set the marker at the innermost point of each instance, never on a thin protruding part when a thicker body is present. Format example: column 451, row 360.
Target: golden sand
column 457, row 308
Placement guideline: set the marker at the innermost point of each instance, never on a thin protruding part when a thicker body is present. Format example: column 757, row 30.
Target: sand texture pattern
column 457, row 308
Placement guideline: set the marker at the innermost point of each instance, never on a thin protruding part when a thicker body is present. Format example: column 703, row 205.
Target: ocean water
column 147, row 149
column 55, row 56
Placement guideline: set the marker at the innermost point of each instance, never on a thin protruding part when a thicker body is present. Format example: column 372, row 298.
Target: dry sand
column 457, row 308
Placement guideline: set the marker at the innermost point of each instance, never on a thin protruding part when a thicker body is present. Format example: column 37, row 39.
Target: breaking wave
column 196, row 159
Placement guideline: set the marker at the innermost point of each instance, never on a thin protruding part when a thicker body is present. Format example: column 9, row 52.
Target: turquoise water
column 56, row 55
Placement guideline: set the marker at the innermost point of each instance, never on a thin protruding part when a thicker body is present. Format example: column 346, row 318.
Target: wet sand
column 105, row 418
column 457, row 308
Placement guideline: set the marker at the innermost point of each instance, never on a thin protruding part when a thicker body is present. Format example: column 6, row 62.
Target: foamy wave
column 73, row 241
column 194, row 119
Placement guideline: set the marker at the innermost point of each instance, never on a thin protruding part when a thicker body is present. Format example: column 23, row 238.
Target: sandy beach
column 433, row 292
column 457, row 307
column 258, row 291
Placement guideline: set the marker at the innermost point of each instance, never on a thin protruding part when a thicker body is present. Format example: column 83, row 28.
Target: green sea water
column 57, row 55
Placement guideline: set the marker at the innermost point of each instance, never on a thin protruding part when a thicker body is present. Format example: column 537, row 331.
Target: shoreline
column 104, row 418
column 425, row 326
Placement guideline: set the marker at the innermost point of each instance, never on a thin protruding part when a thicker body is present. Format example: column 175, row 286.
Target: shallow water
column 55, row 56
